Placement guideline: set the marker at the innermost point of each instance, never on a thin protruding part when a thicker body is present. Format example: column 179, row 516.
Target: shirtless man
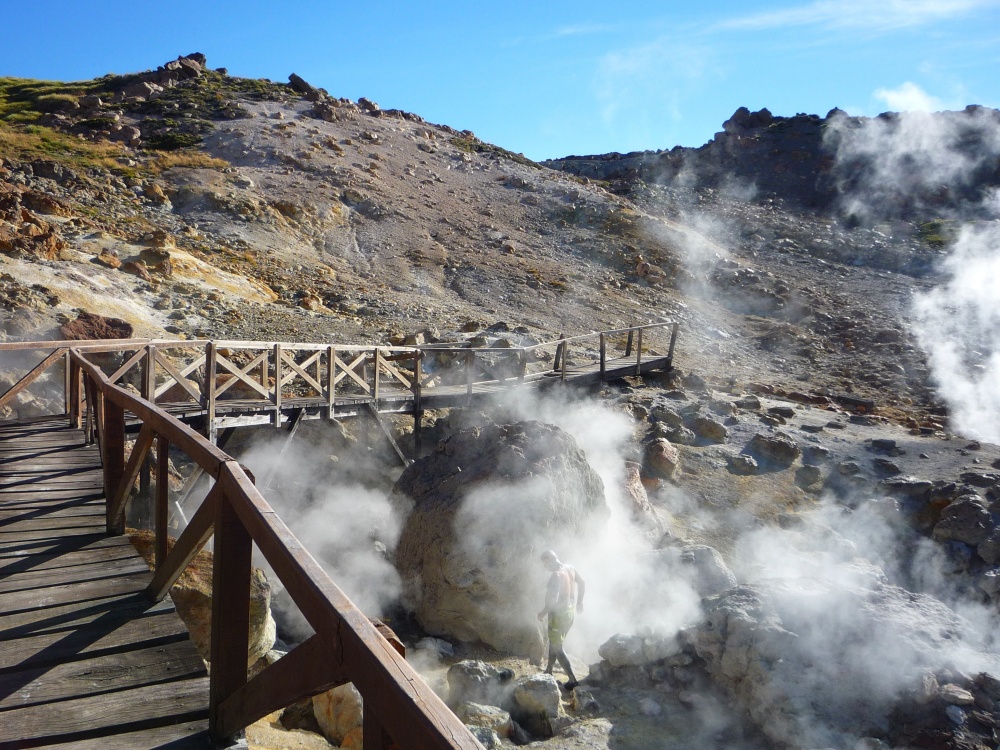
column 563, row 598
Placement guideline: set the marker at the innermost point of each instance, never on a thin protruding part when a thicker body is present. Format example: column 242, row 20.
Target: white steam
column 958, row 325
column 918, row 159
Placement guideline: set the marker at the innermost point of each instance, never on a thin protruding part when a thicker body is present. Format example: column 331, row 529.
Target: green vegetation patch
column 937, row 232
column 29, row 142
column 25, row 100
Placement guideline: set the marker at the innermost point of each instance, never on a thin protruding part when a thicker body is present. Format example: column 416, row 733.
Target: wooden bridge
column 92, row 654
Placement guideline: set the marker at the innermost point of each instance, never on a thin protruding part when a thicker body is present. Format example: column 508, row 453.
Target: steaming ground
column 766, row 527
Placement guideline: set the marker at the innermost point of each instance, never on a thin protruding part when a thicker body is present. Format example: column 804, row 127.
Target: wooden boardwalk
column 86, row 659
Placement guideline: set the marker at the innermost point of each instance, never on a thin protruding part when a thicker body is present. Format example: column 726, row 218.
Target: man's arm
column 581, row 589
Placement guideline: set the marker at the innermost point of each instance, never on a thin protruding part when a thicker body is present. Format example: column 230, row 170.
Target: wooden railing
column 211, row 376
column 399, row 707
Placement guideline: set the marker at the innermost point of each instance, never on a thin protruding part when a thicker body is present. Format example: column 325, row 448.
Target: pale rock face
column 539, row 694
column 339, row 711
column 489, row 717
column 785, row 650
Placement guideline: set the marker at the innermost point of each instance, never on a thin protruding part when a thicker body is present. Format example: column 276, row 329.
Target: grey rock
column 989, row 548
column 743, row 463
column 778, row 448
column 885, row 467
column 966, row 520
column 814, row 455
column 472, row 681
column 990, row 582
column 709, row 429
column 807, row 476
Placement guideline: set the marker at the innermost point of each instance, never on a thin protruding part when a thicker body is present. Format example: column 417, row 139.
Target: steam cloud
column 958, row 325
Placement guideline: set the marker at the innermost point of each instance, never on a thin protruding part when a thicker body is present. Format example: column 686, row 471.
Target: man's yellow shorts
column 559, row 625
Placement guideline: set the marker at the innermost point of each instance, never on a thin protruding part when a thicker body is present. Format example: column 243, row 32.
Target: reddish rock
column 90, row 326
column 661, row 459
column 137, row 268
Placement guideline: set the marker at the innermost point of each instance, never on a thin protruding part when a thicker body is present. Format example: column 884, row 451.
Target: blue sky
column 549, row 78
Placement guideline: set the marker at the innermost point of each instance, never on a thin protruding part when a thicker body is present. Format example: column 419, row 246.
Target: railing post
column 208, row 390
column 149, row 374
column 628, row 344
column 331, row 381
column 522, row 366
column 277, row 385
column 418, row 415
column 378, row 370
column 604, row 358
column 469, row 356
column 562, row 368
column 374, row 737
column 67, row 377
column 638, row 353
column 75, row 406
column 556, row 363
column 162, row 497
column 113, row 457
column 673, row 342
column 230, row 612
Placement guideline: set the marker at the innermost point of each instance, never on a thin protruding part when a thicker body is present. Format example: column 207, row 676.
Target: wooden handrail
column 398, row 702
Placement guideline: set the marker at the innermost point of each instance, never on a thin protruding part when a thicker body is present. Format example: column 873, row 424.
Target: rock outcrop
column 815, row 661
column 485, row 505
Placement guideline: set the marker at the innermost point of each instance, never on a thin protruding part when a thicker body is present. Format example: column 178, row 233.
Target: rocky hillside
column 188, row 202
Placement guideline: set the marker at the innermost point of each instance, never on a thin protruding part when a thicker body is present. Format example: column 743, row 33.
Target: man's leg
column 564, row 663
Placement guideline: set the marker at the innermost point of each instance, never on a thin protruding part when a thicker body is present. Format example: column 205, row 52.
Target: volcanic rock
column 966, row 520
column 709, row 429
column 661, row 459
column 472, row 681
column 89, row 326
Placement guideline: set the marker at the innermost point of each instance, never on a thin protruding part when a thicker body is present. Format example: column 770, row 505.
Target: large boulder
column 473, row 681
column 192, row 595
column 811, row 660
column 661, row 459
column 485, row 505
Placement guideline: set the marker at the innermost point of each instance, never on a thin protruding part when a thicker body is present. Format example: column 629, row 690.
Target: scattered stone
column 473, row 681
column 749, row 401
column 989, row 548
column 815, row 454
column 785, row 412
column 778, row 448
column 491, row 717
column 883, row 444
column 885, row 467
column 980, row 479
column 965, row 520
column 709, row 429
column 807, row 476
column 661, row 459
column 743, row 463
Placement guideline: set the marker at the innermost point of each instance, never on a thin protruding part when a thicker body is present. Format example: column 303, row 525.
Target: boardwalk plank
column 113, row 630
column 87, row 660
column 107, row 715
column 128, row 667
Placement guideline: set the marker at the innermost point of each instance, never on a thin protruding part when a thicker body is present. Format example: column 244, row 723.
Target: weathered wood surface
column 86, row 659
